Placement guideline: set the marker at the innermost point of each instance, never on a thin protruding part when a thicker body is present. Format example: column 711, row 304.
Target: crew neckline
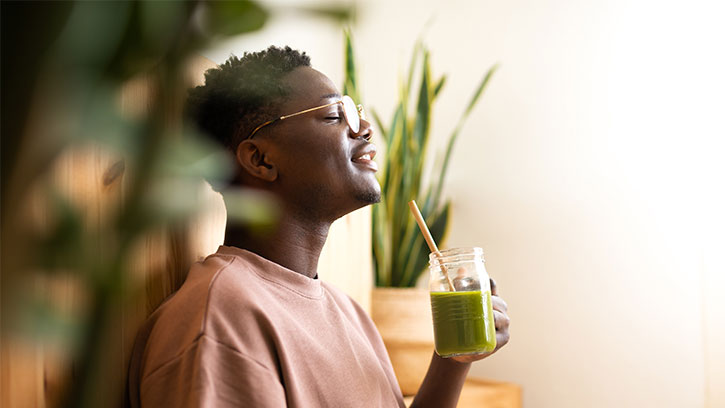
column 275, row 273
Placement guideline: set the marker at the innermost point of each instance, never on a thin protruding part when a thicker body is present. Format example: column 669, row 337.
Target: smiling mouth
column 366, row 160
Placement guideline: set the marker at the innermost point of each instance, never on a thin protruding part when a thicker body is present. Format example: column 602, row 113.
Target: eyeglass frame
column 359, row 108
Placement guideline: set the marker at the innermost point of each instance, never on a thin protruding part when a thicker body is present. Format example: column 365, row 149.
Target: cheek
column 319, row 157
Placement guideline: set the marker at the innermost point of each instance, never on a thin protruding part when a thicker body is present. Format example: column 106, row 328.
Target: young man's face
column 322, row 167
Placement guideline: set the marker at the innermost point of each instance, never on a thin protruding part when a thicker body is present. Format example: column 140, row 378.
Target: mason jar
column 460, row 299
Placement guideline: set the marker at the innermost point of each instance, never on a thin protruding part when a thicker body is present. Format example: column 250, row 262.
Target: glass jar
column 460, row 298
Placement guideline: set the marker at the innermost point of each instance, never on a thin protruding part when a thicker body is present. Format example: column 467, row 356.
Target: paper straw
column 429, row 239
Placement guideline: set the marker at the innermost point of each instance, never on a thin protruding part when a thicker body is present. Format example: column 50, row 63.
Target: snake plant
column 400, row 254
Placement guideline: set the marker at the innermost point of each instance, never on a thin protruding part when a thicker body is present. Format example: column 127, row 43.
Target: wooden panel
column 22, row 374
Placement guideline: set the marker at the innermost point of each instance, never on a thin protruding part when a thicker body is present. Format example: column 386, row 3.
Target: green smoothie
column 463, row 322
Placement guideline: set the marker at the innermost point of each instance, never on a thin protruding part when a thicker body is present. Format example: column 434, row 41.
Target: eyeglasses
column 352, row 113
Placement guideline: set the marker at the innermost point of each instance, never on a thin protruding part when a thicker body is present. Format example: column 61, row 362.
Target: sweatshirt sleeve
column 211, row 374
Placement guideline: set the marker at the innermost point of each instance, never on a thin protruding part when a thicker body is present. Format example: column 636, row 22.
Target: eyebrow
column 330, row 96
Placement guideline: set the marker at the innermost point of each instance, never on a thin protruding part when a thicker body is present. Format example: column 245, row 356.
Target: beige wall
column 589, row 174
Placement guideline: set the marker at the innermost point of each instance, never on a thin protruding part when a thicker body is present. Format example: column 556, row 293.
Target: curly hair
column 242, row 93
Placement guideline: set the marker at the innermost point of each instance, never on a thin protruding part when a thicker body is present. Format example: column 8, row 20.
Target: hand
column 502, row 327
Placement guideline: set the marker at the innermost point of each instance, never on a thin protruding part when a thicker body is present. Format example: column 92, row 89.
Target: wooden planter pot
column 403, row 317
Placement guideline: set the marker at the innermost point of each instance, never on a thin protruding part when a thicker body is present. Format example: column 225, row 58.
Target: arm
column 443, row 382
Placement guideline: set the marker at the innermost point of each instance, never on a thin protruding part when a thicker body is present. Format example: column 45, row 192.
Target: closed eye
column 333, row 118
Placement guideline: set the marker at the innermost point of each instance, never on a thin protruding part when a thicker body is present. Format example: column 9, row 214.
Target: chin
column 369, row 197
column 370, row 194
column 360, row 197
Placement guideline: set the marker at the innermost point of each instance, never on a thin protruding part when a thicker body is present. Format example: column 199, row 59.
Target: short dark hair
column 242, row 93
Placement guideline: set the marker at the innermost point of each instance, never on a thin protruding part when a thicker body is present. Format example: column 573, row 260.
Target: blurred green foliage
column 400, row 254
column 63, row 68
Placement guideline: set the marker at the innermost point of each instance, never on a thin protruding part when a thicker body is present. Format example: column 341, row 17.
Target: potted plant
column 400, row 254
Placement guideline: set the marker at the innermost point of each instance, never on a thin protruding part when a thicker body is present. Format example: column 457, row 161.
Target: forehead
column 308, row 87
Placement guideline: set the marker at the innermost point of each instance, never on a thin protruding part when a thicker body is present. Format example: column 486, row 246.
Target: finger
column 494, row 289
column 499, row 304
column 470, row 358
column 501, row 321
column 501, row 339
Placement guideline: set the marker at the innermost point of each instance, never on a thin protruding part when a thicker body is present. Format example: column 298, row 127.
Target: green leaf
column 457, row 130
column 439, row 224
column 380, row 125
column 408, row 270
column 417, row 51
column 407, row 247
column 394, row 149
column 418, row 257
column 439, row 86
column 336, row 12
column 418, row 263
column 250, row 207
column 61, row 247
column 350, row 85
column 234, row 17
column 42, row 319
column 480, row 89
column 422, row 119
column 381, row 246
column 421, row 129
column 159, row 22
column 194, row 157
column 92, row 34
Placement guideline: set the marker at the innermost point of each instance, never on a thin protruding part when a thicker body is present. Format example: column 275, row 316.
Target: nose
column 365, row 132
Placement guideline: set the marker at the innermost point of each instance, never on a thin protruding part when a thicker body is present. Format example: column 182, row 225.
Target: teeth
column 365, row 157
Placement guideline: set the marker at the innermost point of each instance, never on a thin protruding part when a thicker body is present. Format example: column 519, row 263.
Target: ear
column 253, row 157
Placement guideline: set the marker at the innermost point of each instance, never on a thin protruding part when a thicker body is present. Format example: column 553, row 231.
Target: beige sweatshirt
column 245, row 332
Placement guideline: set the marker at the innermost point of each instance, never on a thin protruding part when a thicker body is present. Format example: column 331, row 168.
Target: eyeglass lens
column 350, row 109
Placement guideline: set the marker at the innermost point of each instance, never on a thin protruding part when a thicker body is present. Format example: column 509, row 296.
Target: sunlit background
column 591, row 173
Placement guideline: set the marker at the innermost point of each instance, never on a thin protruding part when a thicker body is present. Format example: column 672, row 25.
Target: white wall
column 321, row 38
column 589, row 174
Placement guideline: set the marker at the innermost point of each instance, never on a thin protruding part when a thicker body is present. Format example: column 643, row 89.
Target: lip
column 367, row 149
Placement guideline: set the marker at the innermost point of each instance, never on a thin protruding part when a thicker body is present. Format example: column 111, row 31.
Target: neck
column 296, row 243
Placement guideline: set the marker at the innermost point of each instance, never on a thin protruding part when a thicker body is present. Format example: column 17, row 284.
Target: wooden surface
column 479, row 393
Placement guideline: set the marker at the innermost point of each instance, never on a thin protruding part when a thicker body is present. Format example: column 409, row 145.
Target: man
column 252, row 325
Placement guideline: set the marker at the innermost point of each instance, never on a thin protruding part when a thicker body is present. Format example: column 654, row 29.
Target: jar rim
column 452, row 254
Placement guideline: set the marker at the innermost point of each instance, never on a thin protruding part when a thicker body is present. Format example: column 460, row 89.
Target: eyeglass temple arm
column 261, row 126
column 289, row 116
column 308, row 110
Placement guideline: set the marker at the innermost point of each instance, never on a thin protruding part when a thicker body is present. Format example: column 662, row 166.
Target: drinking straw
column 429, row 239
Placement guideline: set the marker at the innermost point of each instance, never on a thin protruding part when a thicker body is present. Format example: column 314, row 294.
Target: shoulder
column 351, row 309
column 340, row 297
column 219, row 301
column 179, row 320
column 235, row 296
